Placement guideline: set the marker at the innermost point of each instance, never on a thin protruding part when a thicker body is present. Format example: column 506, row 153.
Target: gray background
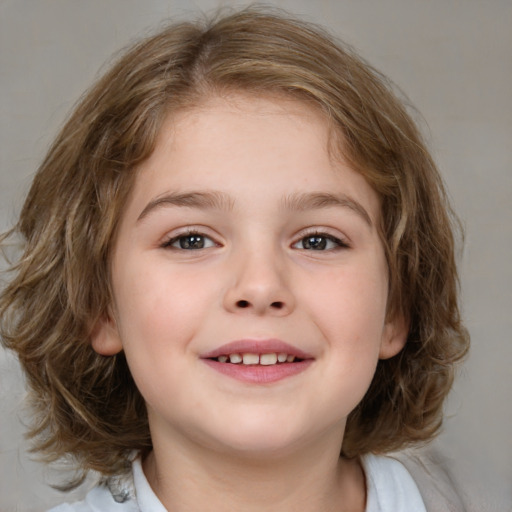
column 452, row 58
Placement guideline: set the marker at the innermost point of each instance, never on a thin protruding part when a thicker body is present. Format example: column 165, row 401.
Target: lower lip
column 259, row 374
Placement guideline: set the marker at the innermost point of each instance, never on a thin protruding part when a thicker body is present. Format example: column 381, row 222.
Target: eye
column 320, row 242
column 190, row 241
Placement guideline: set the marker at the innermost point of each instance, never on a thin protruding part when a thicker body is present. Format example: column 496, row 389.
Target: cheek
column 157, row 314
column 351, row 302
column 349, row 309
column 155, row 310
column 152, row 293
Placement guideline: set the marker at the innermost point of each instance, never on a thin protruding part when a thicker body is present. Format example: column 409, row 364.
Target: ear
column 105, row 339
column 394, row 337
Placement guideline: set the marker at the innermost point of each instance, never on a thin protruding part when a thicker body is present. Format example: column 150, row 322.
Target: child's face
column 242, row 230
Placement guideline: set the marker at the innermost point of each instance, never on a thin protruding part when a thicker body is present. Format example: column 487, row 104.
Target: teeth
column 268, row 359
column 235, row 358
column 252, row 359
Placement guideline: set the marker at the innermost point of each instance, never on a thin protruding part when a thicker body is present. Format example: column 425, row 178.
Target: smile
column 257, row 359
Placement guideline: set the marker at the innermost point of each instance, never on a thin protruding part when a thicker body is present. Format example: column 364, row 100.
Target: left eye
column 190, row 241
column 319, row 243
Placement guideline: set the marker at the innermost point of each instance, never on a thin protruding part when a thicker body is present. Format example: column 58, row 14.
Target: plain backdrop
column 454, row 61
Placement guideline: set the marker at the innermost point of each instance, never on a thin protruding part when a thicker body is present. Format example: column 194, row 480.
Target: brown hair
column 87, row 405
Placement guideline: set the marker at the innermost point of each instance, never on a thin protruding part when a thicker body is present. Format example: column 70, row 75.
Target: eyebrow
column 202, row 200
column 317, row 200
column 214, row 200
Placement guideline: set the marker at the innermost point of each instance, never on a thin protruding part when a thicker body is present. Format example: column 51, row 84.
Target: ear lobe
column 105, row 339
column 394, row 337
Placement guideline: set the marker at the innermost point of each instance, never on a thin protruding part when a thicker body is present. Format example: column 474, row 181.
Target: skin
column 220, row 443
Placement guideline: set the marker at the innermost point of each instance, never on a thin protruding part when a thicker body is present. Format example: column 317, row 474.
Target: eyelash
column 325, row 237
column 340, row 243
column 168, row 244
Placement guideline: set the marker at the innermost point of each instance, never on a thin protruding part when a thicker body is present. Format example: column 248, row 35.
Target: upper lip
column 257, row 346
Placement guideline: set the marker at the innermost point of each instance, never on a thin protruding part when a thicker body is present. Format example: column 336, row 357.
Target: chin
column 261, row 438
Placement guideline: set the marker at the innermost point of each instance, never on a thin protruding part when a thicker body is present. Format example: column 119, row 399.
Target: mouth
column 258, row 361
column 248, row 358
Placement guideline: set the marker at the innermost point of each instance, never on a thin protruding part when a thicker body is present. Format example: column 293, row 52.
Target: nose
column 259, row 284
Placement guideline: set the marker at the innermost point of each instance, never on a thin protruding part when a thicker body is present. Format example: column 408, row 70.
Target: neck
column 188, row 478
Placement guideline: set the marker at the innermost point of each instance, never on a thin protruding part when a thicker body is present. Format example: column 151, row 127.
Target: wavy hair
column 86, row 405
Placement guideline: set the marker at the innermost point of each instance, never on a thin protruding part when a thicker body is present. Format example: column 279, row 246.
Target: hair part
column 87, row 405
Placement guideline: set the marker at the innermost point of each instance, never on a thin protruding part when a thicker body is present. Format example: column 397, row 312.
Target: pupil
column 192, row 242
column 315, row 242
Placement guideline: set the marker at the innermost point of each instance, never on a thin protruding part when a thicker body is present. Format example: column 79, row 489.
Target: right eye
column 318, row 241
column 190, row 242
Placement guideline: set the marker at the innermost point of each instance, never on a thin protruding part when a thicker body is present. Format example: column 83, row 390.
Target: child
column 237, row 289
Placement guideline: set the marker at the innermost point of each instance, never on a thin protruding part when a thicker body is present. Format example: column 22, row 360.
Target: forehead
column 236, row 106
column 241, row 140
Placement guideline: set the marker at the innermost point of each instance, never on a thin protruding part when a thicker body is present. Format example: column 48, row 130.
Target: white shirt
column 390, row 488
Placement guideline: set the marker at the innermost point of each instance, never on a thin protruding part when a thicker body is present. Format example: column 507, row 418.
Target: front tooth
column 282, row 357
column 267, row 359
column 235, row 358
column 290, row 359
column 222, row 359
column 251, row 358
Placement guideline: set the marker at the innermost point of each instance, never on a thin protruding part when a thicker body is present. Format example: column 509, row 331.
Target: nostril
column 244, row 304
